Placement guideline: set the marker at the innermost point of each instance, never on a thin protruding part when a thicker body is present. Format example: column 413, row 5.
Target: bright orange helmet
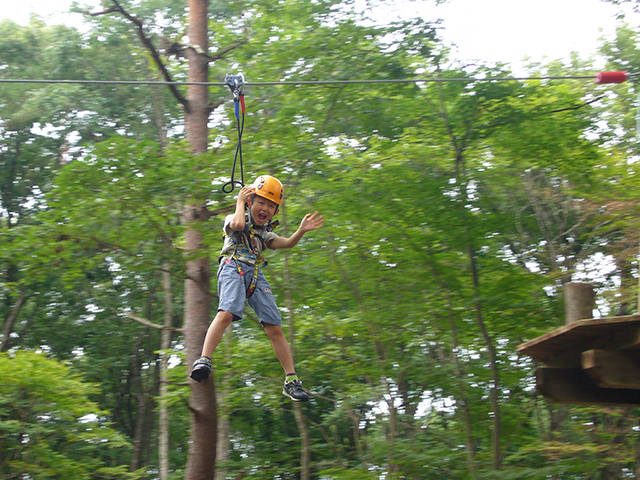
column 270, row 188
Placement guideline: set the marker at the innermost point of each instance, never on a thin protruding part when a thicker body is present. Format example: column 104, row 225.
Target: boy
column 246, row 234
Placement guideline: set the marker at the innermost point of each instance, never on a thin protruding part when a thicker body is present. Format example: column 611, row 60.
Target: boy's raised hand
column 311, row 222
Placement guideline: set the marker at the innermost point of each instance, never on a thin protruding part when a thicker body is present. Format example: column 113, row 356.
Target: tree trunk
column 224, row 430
column 197, row 111
column 462, row 400
column 305, row 444
column 224, row 420
column 491, row 351
column 10, row 321
column 495, row 405
column 145, row 392
column 459, row 145
column 144, row 419
column 392, row 432
column 202, row 450
column 627, row 304
column 636, row 470
column 165, row 344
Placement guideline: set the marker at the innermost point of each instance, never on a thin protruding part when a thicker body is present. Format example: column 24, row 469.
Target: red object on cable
column 242, row 104
column 611, row 77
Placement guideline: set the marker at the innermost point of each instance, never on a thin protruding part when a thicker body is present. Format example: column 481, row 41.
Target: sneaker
column 295, row 392
column 201, row 369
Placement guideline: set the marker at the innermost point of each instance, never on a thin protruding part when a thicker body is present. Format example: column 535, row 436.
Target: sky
column 488, row 30
column 510, row 30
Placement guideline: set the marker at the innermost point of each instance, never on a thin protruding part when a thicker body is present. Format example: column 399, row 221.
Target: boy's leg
column 280, row 347
column 214, row 334
column 264, row 304
column 292, row 387
column 232, row 292
column 202, row 367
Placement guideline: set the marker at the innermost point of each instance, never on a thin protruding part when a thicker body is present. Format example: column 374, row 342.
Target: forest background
column 454, row 214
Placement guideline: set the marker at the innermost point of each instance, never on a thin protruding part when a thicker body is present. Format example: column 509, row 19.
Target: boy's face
column 262, row 210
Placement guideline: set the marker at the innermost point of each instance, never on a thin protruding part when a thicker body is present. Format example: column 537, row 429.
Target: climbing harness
column 236, row 84
column 254, row 279
column 250, row 239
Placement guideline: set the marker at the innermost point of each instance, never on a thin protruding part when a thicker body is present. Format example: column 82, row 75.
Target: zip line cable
column 236, row 83
column 601, row 77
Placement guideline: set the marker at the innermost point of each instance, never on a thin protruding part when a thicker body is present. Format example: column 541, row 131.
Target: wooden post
column 579, row 301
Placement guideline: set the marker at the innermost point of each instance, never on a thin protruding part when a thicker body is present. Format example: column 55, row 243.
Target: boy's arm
column 308, row 223
column 237, row 223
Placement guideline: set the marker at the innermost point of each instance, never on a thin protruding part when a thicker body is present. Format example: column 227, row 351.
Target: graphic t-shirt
column 248, row 244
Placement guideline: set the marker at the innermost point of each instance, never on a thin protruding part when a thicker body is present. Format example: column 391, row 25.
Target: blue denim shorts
column 232, row 290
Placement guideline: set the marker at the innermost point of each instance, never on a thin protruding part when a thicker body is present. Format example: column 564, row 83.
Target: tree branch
column 221, row 211
column 213, row 105
column 10, row 320
column 578, row 107
column 149, row 323
column 146, row 41
column 221, row 53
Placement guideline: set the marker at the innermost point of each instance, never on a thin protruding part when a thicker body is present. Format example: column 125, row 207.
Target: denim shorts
column 232, row 290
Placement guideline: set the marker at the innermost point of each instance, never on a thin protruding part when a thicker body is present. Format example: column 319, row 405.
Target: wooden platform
column 591, row 362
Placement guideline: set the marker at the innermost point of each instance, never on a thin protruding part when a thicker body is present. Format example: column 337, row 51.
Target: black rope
column 231, row 184
column 236, row 83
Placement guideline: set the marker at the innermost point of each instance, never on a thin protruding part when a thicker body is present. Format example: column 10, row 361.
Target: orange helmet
column 270, row 188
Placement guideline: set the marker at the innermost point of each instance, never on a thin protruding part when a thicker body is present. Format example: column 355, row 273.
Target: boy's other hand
column 311, row 222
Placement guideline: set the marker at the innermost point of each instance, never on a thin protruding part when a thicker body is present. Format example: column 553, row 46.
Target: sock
column 290, row 377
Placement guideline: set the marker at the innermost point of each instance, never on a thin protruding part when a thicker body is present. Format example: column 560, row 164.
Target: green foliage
column 49, row 428
column 453, row 214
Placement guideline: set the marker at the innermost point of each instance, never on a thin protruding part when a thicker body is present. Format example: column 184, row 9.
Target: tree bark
column 463, row 399
column 197, row 110
column 144, row 419
column 459, row 144
column 10, row 321
column 224, row 421
column 496, row 431
column 202, row 450
column 145, row 393
column 165, row 344
column 391, row 434
column 636, row 469
column 305, row 443
column 495, row 405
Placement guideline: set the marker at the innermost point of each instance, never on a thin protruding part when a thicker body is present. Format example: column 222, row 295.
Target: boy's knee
column 273, row 330
column 224, row 317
